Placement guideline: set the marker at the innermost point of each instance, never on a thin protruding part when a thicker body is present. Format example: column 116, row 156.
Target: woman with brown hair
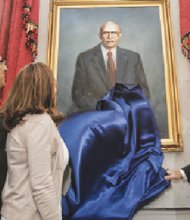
column 37, row 156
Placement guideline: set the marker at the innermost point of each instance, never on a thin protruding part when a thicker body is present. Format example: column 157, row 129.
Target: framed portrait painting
column 74, row 27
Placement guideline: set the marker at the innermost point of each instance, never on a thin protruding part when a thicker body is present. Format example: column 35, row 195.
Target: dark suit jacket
column 91, row 81
column 186, row 169
column 3, row 158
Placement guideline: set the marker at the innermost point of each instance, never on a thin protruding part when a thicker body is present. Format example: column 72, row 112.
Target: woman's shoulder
column 38, row 117
column 34, row 123
column 41, row 119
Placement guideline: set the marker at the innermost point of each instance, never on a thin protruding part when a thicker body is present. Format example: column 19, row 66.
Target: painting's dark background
column 141, row 32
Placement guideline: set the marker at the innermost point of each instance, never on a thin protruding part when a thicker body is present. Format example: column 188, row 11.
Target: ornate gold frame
column 174, row 140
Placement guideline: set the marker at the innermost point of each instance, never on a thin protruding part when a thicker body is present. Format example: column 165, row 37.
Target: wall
column 178, row 196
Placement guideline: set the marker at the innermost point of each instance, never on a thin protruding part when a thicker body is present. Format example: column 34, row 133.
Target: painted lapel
column 122, row 60
column 99, row 65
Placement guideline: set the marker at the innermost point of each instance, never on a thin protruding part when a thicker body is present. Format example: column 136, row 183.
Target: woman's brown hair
column 34, row 92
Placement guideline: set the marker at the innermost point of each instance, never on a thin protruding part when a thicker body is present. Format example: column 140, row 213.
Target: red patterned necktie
column 111, row 67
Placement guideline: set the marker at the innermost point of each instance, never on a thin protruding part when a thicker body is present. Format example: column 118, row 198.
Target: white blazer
column 37, row 158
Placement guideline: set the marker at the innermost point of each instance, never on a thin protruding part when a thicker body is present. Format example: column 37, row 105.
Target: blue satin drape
column 115, row 156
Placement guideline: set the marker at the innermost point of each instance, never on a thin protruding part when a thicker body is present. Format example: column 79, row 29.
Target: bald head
column 110, row 24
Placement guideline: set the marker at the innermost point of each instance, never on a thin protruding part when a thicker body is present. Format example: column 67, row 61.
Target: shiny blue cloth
column 115, row 156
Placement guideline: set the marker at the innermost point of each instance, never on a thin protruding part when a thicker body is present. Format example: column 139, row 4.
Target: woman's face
column 3, row 68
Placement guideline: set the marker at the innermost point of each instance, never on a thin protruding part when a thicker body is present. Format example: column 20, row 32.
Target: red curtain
column 18, row 36
column 185, row 26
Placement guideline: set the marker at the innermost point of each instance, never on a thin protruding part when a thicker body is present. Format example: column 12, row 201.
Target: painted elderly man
column 99, row 68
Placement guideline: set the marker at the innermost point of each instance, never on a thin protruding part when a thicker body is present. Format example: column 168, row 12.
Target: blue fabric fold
column 115, row 156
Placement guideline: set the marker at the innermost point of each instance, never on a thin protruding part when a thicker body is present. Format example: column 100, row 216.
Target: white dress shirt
column 105, row 56
column 183, row 174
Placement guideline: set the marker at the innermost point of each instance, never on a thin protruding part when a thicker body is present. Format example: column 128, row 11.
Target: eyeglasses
column 113, row 33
